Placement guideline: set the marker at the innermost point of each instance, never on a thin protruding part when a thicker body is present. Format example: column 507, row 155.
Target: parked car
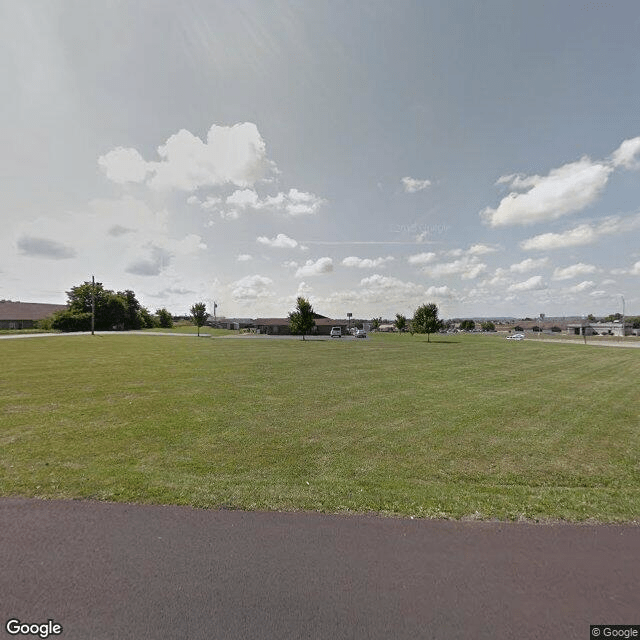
column 516, row 336
column 336, row 332
column 361, row 333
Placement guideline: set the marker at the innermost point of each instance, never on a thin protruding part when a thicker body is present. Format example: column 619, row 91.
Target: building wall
column 17, row 324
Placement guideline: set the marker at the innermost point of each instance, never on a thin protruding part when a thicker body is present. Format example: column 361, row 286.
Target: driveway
column 118, row 571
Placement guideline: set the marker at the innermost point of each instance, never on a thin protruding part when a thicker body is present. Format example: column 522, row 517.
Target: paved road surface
column 119, row 571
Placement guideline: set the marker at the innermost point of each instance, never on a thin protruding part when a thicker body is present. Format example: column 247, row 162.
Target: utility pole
column 623, row 333
column 93, row 304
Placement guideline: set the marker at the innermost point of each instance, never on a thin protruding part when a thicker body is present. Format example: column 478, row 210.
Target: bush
column 46, row 324
column 69, row 321
column 146, row 319
column 165, row 320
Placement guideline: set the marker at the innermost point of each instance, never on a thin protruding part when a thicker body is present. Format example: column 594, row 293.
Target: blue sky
column 371, row 156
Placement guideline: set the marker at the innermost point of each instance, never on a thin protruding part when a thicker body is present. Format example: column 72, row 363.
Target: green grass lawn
column 464, row 426
column 192, row 329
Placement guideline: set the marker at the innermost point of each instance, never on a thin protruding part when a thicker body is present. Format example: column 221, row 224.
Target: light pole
column 623, row 331
column 93, row 304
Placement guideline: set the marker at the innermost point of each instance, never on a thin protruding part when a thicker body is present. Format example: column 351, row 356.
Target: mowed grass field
column 461, row 427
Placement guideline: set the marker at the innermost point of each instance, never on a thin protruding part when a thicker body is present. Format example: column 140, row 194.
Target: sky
column 369, row 156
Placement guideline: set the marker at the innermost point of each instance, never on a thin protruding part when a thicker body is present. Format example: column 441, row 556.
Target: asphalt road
column 117, row 571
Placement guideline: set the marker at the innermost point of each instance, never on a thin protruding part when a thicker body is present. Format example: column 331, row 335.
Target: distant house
column 25, row 315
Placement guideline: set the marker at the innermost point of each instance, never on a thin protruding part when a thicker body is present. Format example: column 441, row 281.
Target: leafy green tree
column 165, row 319
column 146, row 319
column 132, row 316
column 113, row 310
column 425, row 320
column 199, row 314
column 301, row 321
column 401, row 322
column 467, row 325
column 488, row 326
column 375, row 323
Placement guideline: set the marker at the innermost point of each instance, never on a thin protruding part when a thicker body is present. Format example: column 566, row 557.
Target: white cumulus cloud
column 467, row 267
column 122, row 165
column 293, row 203
column 365, row 263
column 311, row 268
column 626, row 155
column 230, row 155
column 583, row 234
column 422, row 258
column 281, row 241
column 583, row 286
column 532, row 284
column 564, row 190
column 251, row 288
column 413, row 185
column 528, row 265
column 572, row 271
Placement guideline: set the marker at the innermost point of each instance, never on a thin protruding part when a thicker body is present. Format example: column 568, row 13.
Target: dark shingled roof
column 28, row 310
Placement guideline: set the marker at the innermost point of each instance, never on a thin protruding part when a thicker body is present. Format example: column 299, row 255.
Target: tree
column 132, row 316
column 401, row 322
column 375, row 323
column 467, row 325
column 165, row 319
column 488, row 326
column 302, row 319
column 113, row 310
column 147, row 320
column 425, row 320
column 199, row 314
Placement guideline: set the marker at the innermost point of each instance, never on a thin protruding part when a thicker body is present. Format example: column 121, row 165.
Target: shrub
column 70, row 321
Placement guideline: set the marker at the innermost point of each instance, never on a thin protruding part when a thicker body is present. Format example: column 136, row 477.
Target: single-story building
column 25, row 315
column 272, row 326
column 280, row 326
column 600, row 329
column 230, row 323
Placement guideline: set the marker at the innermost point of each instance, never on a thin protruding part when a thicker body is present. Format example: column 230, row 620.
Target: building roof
column 27, row 310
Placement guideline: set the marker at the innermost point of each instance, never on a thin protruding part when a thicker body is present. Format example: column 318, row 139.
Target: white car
column 361, row 333
column 336, row 332
column 516, row 336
